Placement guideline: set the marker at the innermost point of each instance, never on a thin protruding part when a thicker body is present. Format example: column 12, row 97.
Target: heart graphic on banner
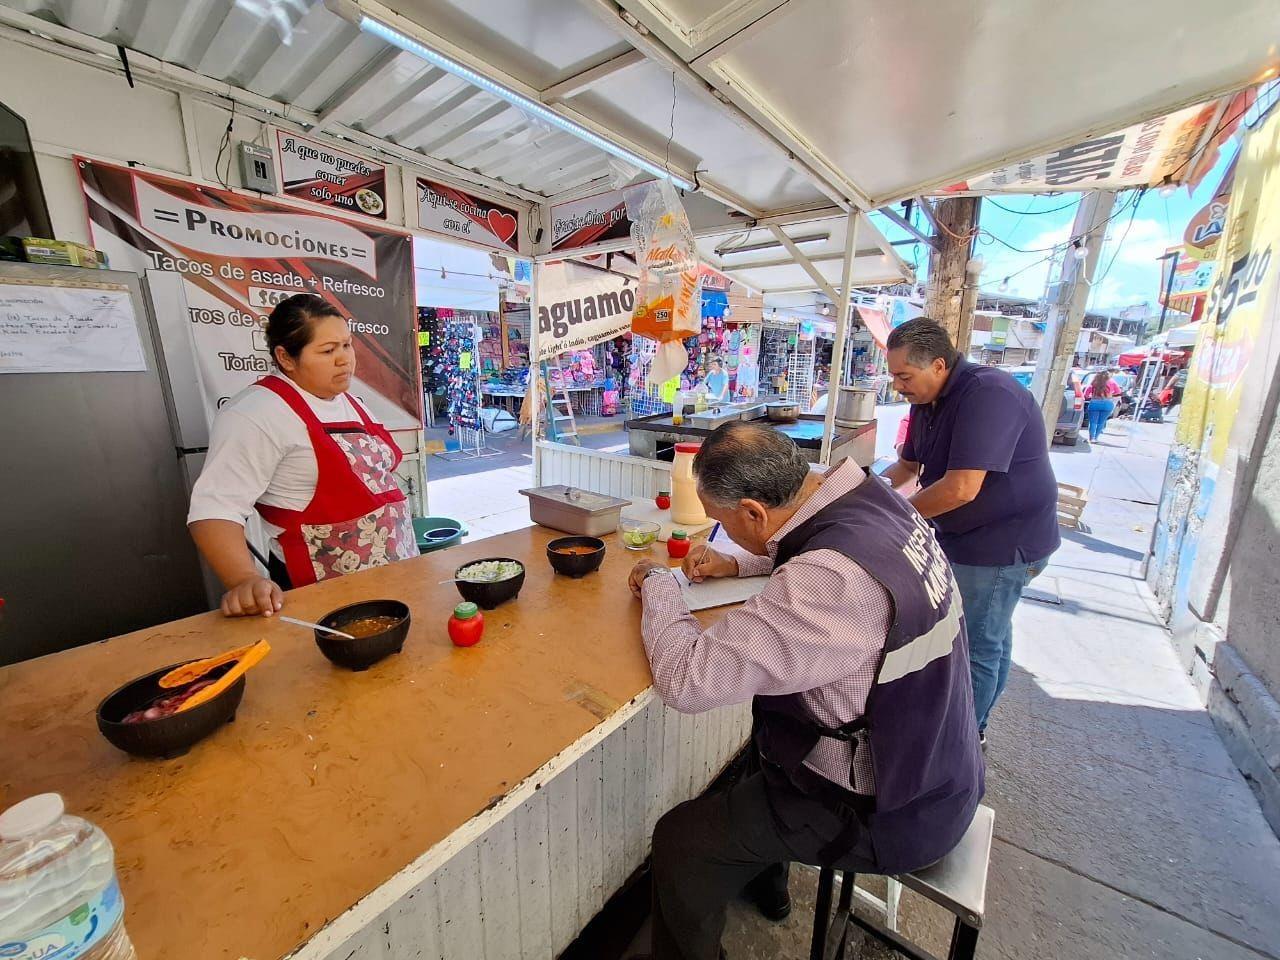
column 502, row 224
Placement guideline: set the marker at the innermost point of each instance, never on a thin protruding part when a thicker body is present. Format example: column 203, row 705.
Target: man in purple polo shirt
column 977, row 444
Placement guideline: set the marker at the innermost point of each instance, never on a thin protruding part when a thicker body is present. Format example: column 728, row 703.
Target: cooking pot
column 855, row 405
column 785, row 411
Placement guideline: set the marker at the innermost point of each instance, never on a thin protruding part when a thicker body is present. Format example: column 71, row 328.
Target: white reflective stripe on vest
column 926, row 648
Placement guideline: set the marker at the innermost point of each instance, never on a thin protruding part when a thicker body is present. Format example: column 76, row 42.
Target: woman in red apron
column 308, row 457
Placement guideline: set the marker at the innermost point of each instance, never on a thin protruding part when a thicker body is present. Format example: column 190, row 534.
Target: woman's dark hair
column 925, row 341
column 1099, row 385
column 290, row 324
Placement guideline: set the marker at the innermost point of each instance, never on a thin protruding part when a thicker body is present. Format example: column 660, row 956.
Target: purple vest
column 919, row 720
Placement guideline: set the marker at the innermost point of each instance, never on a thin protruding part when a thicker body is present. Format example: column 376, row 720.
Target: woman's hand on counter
column 704, row 561
column 253, row 596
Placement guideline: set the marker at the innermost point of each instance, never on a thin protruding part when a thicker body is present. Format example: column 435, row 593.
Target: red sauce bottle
column 678, row 545
column 466, row 626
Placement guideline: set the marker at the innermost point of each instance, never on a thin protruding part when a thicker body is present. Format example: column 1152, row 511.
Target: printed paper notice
column 47, row 329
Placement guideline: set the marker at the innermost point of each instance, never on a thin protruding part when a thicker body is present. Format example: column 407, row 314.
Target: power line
column 1095, row 284
column 1083, row 237
column 1130, row 204
column 1195, row 155
column 1029, row 211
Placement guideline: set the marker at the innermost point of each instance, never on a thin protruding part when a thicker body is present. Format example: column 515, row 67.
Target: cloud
column 1143, row 242
column 1112, row 292
column 1129, row 258
column 1048, row 238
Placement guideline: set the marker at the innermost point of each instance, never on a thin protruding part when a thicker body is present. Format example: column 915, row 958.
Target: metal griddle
column 724, row 413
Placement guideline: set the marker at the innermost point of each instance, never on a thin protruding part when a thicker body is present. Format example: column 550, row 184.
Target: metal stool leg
column 892, row 894
column 964, row 941
column 822, row 913
column 838, row 935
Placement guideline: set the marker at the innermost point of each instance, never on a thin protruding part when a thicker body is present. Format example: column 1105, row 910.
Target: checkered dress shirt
column 817, row 629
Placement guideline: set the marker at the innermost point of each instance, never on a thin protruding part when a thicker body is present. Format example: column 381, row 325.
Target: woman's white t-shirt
column 260, row 452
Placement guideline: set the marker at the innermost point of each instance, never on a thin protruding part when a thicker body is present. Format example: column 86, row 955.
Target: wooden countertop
column 328, row 782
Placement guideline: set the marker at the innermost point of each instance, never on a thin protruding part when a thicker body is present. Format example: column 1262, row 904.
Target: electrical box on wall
column 257, row 168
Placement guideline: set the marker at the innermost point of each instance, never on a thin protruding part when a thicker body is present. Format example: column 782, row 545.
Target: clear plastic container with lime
column 638, row 534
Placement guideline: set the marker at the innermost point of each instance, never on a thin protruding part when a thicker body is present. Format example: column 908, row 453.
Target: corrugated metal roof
column 299, row 53
column 786, row 105
column 783, row 103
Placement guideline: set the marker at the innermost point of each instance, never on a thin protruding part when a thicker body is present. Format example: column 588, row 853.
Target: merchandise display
column 461, row 375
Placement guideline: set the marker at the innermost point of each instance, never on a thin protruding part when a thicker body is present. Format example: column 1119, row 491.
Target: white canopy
column 1179, row 338
column 451, row 275
column 772, row 107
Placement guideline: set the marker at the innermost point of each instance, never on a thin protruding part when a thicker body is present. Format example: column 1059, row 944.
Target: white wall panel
column 524, row 887
column 617, row 475
column 73, row 106
column 533, row 876
column 590, row 800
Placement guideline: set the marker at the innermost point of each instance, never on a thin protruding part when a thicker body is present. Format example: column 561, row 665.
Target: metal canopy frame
column 786, row 112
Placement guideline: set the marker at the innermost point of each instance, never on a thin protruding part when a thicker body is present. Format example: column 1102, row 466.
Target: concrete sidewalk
column 1123, row 830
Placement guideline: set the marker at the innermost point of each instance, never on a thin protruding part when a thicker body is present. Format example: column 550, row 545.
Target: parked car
column 1070, row 414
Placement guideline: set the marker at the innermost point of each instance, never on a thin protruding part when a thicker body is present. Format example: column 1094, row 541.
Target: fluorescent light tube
column 408, row 44
column 771, row 244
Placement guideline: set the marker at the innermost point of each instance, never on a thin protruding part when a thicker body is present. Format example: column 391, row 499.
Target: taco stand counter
column 446, row 802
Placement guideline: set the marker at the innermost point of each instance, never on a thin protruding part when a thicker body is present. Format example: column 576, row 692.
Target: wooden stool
column 957, row 882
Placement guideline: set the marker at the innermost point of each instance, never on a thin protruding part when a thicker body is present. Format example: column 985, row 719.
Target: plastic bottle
column 678, row 545
column 466, row 626
column 58, row 891
column 686, row 508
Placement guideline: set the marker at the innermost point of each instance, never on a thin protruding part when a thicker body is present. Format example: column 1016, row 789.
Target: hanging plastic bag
column 669, row 300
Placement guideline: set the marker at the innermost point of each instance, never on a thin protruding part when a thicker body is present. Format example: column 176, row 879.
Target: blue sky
column 1129, row 269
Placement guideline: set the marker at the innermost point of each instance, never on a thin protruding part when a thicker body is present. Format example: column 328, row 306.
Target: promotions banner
column 315, row 172
column 595, row 219
column 578, row 308
column 449, row 211
column 239, row 256
column 1139, row 156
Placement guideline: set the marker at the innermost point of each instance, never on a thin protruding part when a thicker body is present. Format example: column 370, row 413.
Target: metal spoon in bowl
column 316, row 626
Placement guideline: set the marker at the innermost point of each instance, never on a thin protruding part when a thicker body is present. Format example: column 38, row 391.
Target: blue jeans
column 989, row 595
column 1099, row 412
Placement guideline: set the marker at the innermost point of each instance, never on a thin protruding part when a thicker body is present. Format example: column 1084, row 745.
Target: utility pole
column 1067, row 305
column 951, row 293
column 1173, row 255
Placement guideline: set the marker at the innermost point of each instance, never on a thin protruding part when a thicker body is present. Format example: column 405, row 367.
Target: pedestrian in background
column 977, row 443
column 1100, row 400
column 1177, row 385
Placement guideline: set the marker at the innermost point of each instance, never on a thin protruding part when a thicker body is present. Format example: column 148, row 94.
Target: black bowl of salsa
column 576, row 556
column 379, row 628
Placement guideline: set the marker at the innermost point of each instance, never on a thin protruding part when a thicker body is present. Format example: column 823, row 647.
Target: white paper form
column 718, row 591
column 68, row 329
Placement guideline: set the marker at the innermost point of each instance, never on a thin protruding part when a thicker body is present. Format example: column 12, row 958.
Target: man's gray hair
column 925, row 341
column 750, row 461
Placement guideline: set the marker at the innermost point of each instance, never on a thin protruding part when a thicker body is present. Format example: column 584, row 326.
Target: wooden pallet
column 1071, row 503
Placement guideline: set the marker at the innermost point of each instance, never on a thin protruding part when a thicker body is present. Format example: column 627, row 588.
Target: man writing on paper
column 860, row 598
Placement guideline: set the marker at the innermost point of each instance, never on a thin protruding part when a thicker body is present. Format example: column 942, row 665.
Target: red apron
column 358, row 517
